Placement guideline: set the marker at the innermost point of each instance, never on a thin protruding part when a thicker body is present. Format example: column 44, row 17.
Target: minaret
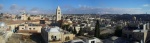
column 58, row 14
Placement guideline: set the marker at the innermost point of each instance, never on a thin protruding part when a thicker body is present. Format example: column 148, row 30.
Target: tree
column 1, row 14
column 97, row 30
column 67, row 27
column 118, row 31
column 63, row 27
column 80, row 32
column 29, row 18
column 74, row 31
column 60, row 23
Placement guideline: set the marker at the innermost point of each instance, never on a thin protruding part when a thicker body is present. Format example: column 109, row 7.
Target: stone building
column 137, row 33
column 24, row 16
column 29, row 28
column 57, row 35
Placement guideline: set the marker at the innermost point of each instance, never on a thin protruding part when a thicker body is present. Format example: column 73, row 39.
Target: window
column 92, row 41
column 30, row 28
column 67, row 38
column 53, row 38
column 33, row 28
column 58, row 12
column 42, row 18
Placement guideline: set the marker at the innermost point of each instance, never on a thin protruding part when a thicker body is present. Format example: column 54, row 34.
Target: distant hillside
column 129, row 17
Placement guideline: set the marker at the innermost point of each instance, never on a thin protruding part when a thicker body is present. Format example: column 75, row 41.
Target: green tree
column 74, row 31
column 97, row 30
column 67, row 27
column 118, row 31
column 1, row 14
column 63, row 27
column 80, row 32
column 29, row 18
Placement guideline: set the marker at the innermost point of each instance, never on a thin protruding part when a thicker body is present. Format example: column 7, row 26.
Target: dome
column 2, row 24
column 54, row 29
column 69, row 21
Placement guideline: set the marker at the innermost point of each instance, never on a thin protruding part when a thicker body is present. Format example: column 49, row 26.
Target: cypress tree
column 67, row 27
column 97, row 30
column 29, row 18
column 118, row 31
column 80, row 32
column 74, row 31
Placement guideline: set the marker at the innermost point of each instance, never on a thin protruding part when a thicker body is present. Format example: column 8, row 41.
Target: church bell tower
column 58, row 14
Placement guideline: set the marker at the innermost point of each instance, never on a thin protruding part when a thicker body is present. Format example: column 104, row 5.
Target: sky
column 75, row 6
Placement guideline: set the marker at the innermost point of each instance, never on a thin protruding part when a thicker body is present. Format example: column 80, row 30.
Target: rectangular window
column 33, row 28
column 92, row 41
column 30, row 28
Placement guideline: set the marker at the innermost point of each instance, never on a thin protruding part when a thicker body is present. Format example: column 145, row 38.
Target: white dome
column 54, row 29
column 70, row 21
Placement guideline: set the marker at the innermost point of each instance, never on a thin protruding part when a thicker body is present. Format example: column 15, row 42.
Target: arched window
column 53, row 38
column 58, row 12
column 67, row 38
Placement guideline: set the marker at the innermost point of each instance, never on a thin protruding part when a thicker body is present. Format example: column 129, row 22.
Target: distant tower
column 58, row 14
column 24, row 16
column 134, row 18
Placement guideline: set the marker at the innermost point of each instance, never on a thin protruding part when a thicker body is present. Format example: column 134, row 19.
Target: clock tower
column 58, row 14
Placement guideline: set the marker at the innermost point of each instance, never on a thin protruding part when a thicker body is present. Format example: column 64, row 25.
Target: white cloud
column 146, row 5
column 13, row 7
column 36, row 10
column 82, row 9
column 98, row 10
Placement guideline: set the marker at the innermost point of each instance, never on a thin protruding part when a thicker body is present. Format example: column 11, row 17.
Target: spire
column 58, row 7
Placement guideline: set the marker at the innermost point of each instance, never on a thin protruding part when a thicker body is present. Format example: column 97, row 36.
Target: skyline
column 75, row 6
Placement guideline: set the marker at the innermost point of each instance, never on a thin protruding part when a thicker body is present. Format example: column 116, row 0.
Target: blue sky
column 75, row 6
